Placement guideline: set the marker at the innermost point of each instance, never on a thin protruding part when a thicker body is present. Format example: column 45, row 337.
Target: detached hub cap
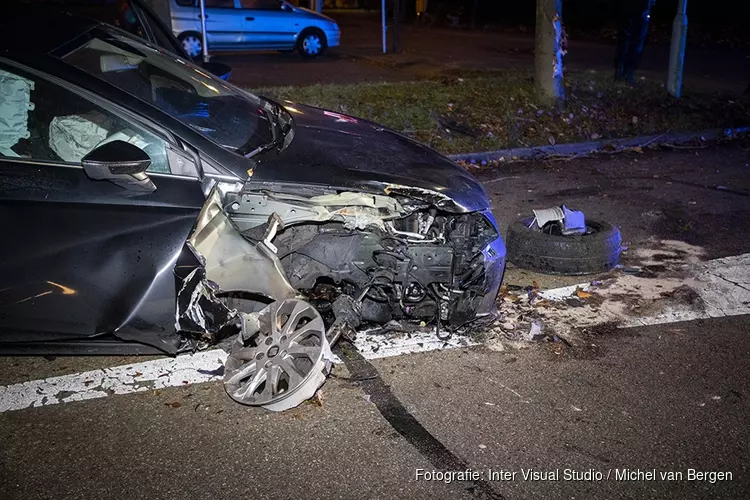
column 281, row 358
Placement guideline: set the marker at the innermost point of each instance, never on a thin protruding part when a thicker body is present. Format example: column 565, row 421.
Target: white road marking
column 722, row 288
column 125, row 379
column 711, row 289
column 206, row 366
column 380, row 346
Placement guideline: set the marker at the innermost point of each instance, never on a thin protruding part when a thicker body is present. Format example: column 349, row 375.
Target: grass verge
column 486, row 111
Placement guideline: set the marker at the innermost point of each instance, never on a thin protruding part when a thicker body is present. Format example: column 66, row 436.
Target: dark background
column 711, row 22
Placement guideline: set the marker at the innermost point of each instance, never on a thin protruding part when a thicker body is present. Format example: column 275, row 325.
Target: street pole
column 396, row 38
column 203, row 31
column 385, row 25
column 677, row 50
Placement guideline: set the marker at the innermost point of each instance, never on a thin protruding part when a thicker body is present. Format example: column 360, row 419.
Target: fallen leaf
column 318, row 399
column 583, row 295
column 174, row 404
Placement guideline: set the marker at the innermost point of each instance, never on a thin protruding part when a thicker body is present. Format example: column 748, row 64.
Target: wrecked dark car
column 148, row 206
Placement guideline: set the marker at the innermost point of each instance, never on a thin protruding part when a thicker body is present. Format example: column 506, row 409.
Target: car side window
column 42, row 121
column 261, row 4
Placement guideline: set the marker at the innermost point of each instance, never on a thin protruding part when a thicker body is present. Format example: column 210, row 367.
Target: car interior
column 41, row 121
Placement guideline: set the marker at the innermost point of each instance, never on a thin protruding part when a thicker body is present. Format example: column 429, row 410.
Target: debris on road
column 681, row 288
column 569, row 222
column 562, row 241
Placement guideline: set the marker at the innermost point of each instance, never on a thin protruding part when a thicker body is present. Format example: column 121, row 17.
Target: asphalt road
column 668, row 398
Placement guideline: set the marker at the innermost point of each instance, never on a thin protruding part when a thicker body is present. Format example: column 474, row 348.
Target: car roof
column 27, row 30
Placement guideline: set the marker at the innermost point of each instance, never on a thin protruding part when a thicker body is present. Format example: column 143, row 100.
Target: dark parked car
column 147, row 204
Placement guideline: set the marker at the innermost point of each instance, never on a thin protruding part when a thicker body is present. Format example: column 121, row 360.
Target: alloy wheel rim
column 281, row 358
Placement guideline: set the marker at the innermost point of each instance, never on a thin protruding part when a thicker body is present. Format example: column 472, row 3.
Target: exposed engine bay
column 398, row 257
column 290, row 269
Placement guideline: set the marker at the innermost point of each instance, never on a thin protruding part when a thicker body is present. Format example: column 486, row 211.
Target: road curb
column 583, row 148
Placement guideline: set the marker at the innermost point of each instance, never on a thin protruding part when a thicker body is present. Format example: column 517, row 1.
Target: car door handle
column 199, row 16
column 249, row 19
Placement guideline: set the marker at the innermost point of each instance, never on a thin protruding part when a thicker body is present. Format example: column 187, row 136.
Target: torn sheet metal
column 234, row 262
column 200, row 313
column 355, row 210
column 572, row 222
column 433, row 197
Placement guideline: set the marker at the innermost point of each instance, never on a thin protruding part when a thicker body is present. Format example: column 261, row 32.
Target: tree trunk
column 548, row 52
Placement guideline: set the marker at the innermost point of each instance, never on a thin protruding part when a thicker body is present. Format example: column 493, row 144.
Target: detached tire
column 594, row 252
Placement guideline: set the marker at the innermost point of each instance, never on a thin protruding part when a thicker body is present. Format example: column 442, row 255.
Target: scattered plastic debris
column 571, row 222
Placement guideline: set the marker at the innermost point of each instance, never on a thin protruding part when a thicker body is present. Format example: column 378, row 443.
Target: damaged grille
column 429, row 264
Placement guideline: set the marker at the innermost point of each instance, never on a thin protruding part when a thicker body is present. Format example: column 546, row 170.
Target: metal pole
column 396, row 39
column 385, row 26
column 203, row 30
column 319, row 6
column 677, row 50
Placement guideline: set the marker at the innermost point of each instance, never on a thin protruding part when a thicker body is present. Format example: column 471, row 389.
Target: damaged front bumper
column 256, row 257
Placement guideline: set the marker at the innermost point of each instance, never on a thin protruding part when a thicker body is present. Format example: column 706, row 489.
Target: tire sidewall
column 568, row 255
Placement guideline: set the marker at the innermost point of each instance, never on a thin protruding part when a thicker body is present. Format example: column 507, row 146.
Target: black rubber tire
column 570, row 255
column 301, row 39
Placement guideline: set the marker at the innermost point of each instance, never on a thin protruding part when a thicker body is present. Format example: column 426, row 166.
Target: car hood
column 344, row 152
column 311, row 14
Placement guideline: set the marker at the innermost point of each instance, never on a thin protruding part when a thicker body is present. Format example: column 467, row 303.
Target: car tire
column 594, row 252
column 311, row 43
column 192, row 43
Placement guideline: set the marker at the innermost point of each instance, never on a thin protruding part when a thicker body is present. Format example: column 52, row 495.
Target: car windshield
column 236, row 120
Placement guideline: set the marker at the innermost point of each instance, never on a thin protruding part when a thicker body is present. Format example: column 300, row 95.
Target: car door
column 268, row 24
column 83, row 257
column 224, row 24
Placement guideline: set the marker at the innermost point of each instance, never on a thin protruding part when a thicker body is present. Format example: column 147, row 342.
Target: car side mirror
column 120, row 163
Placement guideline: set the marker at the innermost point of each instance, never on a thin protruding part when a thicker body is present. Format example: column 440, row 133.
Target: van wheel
column 311, row 43
column 192, row 43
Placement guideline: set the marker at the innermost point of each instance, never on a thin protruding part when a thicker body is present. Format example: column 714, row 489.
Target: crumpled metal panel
column 234, row 262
